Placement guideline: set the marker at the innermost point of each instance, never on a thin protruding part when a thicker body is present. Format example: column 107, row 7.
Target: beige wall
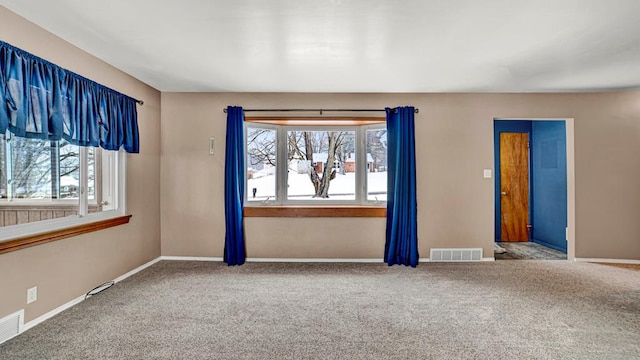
column 69, row 268
column 455, row 202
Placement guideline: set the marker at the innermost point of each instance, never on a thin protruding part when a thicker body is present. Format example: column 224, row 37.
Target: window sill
column 55, row 235
column 315, row 211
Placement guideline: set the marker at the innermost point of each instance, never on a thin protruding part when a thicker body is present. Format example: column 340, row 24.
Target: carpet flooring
column 528, row 251
column 494, row 310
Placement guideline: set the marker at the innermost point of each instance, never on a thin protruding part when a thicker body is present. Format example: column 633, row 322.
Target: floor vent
column 11, row 325
column 456, row 254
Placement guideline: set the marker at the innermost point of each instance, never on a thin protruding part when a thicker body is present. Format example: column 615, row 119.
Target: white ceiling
column 356, row 45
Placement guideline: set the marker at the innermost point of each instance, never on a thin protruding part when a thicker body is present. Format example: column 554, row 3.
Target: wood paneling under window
column 21, row 214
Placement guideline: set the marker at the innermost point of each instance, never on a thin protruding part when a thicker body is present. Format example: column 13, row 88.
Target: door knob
column 504, row 193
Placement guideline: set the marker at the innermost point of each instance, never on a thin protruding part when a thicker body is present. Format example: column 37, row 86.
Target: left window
column 44, row 183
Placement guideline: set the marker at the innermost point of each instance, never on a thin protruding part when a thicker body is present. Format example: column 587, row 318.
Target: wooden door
column 514, row 186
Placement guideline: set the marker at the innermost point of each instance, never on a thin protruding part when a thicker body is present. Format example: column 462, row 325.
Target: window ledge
column 315, row 211
column 50, row 236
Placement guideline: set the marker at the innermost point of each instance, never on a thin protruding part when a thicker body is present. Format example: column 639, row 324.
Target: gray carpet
column 203, row 310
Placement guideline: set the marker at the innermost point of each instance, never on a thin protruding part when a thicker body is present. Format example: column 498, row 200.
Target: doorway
column 531, row 187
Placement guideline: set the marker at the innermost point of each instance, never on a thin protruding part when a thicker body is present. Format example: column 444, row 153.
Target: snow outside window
column 312, row 165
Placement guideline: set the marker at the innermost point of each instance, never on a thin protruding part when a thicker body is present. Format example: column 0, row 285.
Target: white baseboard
column 80, row 298
column 136, row 270
column 291, row 260
column 608, row 261
column 425, row 260
column 316, row 260
column 296, row 260
column 190, row 258
column 52, row 313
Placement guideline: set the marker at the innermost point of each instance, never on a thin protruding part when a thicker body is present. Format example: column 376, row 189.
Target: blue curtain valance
column 41, row 100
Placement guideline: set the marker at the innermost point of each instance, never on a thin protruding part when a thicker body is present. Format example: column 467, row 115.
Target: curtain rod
column 313, row 110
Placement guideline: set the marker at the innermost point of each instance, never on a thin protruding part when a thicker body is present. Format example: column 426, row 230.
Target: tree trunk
column 328, row 173
column 321, row 183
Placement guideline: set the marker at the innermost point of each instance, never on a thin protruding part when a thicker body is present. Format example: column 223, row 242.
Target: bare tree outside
column 377, row 148
column 39, row 168
column 261, row 161
column 314, row 160
column 319, row 154
column 261, row 146
column 306, row 145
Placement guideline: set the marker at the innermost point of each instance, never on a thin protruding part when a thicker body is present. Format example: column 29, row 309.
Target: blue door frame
column 547, row 179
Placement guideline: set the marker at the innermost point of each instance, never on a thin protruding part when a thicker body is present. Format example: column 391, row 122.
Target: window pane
column 69, row 170
column 377, row 165
column 41, row 180
column 91, row 174
column 102, row 179
column 31, row 165
column 321, row 165
column 261, row 164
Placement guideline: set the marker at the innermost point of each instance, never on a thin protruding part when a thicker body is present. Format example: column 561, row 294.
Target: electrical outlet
column 32, row 295
column 212, row 146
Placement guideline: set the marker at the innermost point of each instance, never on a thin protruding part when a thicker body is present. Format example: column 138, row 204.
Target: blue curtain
column 44, row 101
column 401, row 246
column 234, row 250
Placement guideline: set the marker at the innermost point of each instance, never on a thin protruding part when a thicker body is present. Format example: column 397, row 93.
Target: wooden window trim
column 315, row 211
column 50, row 236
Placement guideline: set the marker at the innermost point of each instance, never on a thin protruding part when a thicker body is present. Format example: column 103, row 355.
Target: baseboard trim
column 550, row 245
column 316, row 260
column 299, row 260
column 136, row 270
column 80, row 298
column 52, row 313
column 191, row 258
column 290, row 260
column 426, row 260
column 608, row 261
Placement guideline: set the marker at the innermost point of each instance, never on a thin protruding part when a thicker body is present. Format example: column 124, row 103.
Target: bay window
column 329, row 162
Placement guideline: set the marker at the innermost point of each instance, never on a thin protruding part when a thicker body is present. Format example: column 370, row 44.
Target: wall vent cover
column 11, row 325
column 456, row 254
